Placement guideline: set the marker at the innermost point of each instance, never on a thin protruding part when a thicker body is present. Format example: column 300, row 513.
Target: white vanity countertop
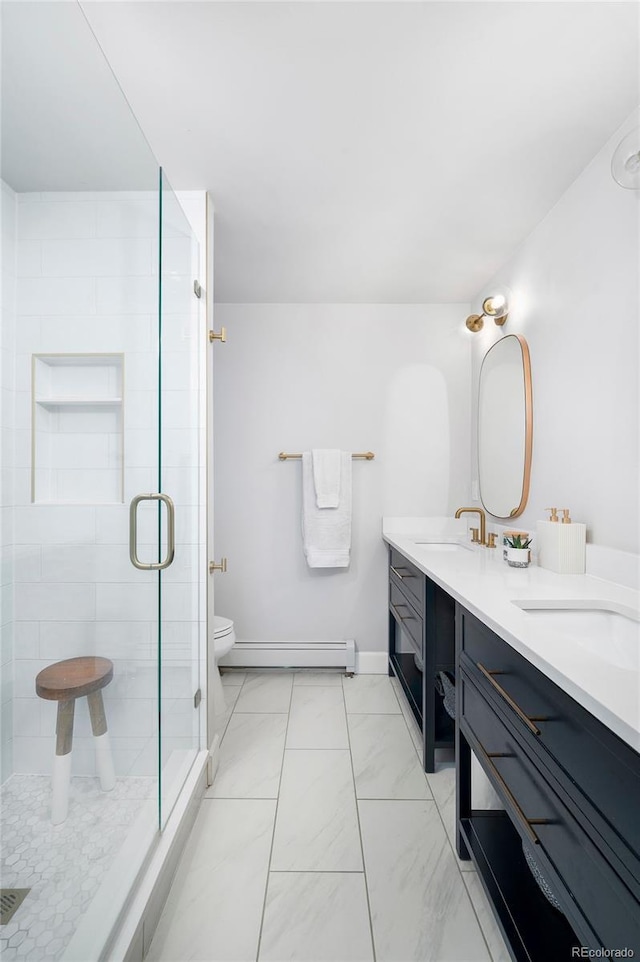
column 481, row 581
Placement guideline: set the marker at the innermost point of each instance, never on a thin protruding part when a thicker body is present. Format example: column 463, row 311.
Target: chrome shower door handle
column 133, row 532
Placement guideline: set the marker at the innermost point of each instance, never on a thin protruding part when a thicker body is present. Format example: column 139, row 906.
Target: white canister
column 518, row 557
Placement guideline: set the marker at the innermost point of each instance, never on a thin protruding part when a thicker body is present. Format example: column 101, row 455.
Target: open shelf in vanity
column 531, row 926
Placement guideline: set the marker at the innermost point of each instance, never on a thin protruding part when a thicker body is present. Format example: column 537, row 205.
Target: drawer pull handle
column 526, row 822
column 396, row 572
column 509, row 700
column 397, row 614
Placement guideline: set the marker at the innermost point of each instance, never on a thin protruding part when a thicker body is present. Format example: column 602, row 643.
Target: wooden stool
column 64, row 682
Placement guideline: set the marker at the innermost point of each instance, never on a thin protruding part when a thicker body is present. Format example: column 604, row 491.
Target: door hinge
column 222, row 336
column 197, row 698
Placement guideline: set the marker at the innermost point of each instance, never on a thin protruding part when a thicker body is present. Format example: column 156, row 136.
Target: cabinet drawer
column 406, row 616
column 567, row 738
column 402, row 572
column 574, row 867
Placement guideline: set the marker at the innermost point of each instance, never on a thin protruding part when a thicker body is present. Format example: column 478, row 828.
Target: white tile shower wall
column 87, row 264
column 8, row 206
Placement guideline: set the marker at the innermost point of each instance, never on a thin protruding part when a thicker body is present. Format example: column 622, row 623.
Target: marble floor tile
column 250, row 757
column 385, row 762
column 266, row 693
column 443, row 788
column 222, row 722
column 370, row 694
column 317, row 823
column 420, row 908
column 488, row 924
column 214, row 909
column 325, row 679
column 316, row 917
column 317, row 718
column 231, row 695
column 232, row 677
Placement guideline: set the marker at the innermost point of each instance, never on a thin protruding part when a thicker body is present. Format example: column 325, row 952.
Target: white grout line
column 355, row 795
column 491, row 956
column 315, row 871
column 444, row 827
column 237, row 688
column 275, row 822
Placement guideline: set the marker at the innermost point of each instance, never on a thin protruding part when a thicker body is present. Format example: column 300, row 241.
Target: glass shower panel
column 81, row 439
column 182, row 384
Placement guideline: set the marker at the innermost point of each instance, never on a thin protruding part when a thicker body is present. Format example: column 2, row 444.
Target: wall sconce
column 625, row 163
column 495, row 307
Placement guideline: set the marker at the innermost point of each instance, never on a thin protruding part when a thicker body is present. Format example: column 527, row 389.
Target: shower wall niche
column 77, row 428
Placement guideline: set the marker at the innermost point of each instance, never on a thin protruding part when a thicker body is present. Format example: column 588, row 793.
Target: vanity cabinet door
column 604, row 772
column 582, row 879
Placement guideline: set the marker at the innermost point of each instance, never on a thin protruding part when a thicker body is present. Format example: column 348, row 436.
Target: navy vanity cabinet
column 421, row 643
column 575, row 749
column 571, row 794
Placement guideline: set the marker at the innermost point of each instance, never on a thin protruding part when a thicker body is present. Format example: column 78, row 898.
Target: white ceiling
column 65, row 122
column 371, row 152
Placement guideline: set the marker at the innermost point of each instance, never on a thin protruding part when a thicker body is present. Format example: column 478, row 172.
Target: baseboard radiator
column 292, row 654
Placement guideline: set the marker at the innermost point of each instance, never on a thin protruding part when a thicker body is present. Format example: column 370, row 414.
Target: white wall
column 393, row 379
column 7, row 347
column 575, row 297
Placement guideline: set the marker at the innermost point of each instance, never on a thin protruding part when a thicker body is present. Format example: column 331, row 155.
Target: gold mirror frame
column 528, row 427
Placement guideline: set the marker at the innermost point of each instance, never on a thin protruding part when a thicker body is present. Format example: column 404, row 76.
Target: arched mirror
column 505, row 427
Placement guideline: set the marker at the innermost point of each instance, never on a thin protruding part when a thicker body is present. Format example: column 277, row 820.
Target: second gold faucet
column 483, row 526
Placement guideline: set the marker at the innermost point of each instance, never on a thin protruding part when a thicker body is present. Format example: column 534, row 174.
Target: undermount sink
column 443, row 545
column 605, row 629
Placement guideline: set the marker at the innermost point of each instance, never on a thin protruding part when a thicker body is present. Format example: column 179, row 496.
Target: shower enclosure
column 102, row 482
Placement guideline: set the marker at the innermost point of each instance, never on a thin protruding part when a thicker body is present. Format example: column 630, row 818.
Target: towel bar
column 363, row 456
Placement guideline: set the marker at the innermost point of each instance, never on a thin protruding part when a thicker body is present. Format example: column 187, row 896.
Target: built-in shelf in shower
column 77, row 428
column 52, row 402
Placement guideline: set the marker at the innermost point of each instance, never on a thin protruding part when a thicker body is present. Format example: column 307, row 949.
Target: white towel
column 326, row 476
column 326, row 532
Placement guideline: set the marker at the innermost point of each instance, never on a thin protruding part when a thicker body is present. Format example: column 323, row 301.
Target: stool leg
column 104, row 759
column 62, row 762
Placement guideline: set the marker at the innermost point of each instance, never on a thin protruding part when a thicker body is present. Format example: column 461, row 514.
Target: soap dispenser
column 561, row 544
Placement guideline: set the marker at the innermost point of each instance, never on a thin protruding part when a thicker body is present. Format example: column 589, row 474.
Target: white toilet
column 224, row 638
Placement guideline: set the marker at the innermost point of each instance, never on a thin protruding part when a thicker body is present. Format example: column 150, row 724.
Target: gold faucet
column 483, row 521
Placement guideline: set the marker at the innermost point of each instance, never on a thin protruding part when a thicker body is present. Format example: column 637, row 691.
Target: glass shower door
column 182, row 615
column 100, row 393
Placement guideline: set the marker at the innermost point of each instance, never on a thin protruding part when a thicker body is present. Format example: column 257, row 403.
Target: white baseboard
column 372, row 662
column 292, row 654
